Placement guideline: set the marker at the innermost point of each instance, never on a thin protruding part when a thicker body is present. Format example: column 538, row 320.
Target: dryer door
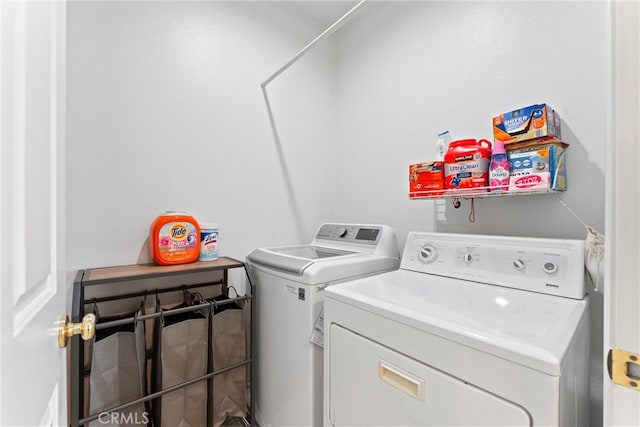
column 372, row 385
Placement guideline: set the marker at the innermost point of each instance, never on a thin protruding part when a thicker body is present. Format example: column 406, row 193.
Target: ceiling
column 324, row 12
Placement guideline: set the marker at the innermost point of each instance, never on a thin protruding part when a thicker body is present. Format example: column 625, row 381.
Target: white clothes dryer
column 470, row 331
column 289, row 284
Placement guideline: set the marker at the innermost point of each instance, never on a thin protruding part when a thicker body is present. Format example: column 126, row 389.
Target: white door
column 622, row 294
column 32, row 64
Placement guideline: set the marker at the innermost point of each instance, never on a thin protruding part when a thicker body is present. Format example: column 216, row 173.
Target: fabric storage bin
column 181, row 354
column 118, row 372
column 228, row 347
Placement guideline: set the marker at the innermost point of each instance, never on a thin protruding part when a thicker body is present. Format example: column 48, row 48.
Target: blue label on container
column 208, row 245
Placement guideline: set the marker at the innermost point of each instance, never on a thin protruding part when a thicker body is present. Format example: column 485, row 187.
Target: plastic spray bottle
column 442, row 144
column 499, row 168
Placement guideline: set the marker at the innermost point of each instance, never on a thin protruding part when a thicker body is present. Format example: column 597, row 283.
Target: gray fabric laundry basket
column 118, row 373
column 228, row 342
column 181, row 354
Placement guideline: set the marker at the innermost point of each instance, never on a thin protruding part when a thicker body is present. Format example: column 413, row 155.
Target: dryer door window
column 370, row 384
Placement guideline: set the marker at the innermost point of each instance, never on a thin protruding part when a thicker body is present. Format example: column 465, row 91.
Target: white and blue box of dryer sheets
column 538, row 168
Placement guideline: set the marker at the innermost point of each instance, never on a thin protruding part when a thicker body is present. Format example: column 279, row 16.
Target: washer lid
column 310, row 252
column 294, row 259
column 528, row 328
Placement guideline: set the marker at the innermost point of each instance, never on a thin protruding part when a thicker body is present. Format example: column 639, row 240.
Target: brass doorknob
column 86, row 329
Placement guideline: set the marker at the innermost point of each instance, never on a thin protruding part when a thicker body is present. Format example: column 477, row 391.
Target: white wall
column 165, row 112
column 408, row 70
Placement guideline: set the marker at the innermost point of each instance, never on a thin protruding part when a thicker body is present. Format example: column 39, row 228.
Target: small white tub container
column 209, row 234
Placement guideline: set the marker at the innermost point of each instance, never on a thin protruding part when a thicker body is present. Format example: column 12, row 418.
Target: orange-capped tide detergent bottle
column 174, row 238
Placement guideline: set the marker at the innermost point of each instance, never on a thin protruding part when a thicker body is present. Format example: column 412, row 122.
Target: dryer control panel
column 550, row 266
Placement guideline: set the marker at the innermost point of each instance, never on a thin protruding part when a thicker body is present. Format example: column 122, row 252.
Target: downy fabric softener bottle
column 499, row 168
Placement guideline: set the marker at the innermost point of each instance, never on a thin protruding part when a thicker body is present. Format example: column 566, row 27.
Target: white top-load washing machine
column 471, row 330
column 289, row 287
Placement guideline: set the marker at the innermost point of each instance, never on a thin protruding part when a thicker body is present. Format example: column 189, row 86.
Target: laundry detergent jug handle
column 485, row 143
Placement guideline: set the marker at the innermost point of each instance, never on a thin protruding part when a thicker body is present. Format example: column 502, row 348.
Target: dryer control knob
column 519, row 264
column 549, row 267
column 428, row 254
column 468, row 258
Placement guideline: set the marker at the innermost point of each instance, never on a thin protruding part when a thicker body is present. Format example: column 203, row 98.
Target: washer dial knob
column 519, row 264
column 467, row 258
column 341, row 231
column 427, row 254
column 550, row 267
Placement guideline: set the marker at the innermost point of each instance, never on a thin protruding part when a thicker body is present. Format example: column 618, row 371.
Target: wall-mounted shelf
column 539, row 169
column 474, row 193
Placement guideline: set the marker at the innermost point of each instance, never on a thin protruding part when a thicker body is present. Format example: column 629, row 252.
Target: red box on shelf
column 426, row 179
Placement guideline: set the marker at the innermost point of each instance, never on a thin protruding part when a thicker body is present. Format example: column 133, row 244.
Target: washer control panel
column 550, row 266
column 367, row 234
